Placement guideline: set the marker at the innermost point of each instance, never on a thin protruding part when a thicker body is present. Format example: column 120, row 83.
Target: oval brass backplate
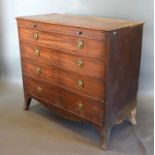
column 37, row 52
column 80, row 44
column 80, row 84
column 38, row 71
column 80, row 63
column 35, row 36
column 81, row 106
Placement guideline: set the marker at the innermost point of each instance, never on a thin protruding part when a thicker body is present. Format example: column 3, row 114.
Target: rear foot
column 132, row 116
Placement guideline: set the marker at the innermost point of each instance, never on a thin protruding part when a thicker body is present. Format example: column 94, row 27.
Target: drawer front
column 93, row 87
column 40, row 90
column 74, row 31
column 76, row 45
column 81, row 106
column 69, row 62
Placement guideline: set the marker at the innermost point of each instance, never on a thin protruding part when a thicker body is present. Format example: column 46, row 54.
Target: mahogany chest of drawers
column 82, row 68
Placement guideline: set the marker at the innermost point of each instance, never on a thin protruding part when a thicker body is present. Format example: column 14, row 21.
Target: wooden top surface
column 89, row 22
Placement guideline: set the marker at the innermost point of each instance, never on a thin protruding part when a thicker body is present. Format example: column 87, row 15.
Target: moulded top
column 89, row 22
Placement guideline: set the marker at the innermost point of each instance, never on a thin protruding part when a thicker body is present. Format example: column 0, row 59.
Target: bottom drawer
column 82, row 106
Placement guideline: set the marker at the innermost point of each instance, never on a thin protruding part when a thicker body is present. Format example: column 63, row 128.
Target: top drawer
column 70, row 44
column 69, row 30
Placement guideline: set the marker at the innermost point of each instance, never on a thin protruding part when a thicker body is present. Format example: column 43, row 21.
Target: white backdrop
column 141, row 10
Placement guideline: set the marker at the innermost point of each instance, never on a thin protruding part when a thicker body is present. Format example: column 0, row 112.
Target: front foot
column 105, row 138
column 27, row 102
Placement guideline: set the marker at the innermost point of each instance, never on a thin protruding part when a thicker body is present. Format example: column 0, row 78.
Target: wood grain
column 66, row 79
column 92, row 67
column 65, row 99
column 111, row 56
column 89, row 22
column 67, row 30
column 64, row 42
column 124, row 53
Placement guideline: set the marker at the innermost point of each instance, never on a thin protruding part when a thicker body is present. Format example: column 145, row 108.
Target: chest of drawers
column 82, row 68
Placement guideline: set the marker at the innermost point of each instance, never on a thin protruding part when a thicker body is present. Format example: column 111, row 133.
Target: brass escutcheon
column 37, row 52
column 79, row 32
column 80, row 44
column 80, row 63
column 80, row 84
column 38, row 71
column 35, row 36
column 34, row 25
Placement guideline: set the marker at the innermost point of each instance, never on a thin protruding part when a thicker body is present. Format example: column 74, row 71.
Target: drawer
column 69, row 62
column 40, row 90
column 81, row 106
column 68, row 30
column 70, row 44
column 89, row 86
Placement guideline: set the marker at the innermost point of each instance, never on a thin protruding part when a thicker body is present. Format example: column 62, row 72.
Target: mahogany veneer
column 82, row 68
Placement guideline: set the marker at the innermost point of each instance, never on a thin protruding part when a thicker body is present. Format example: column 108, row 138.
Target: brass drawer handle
column 80, row 44
column 37, row 52
column 81, row 106
column 35, row 36
column 80, row 84
column 39, row 89
column 38, row 71
column 80, row 63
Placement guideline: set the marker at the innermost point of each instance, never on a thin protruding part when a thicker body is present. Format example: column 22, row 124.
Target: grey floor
column 40, row 132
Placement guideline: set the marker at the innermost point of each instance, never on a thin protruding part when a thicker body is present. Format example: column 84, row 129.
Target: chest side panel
column 122, row 71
